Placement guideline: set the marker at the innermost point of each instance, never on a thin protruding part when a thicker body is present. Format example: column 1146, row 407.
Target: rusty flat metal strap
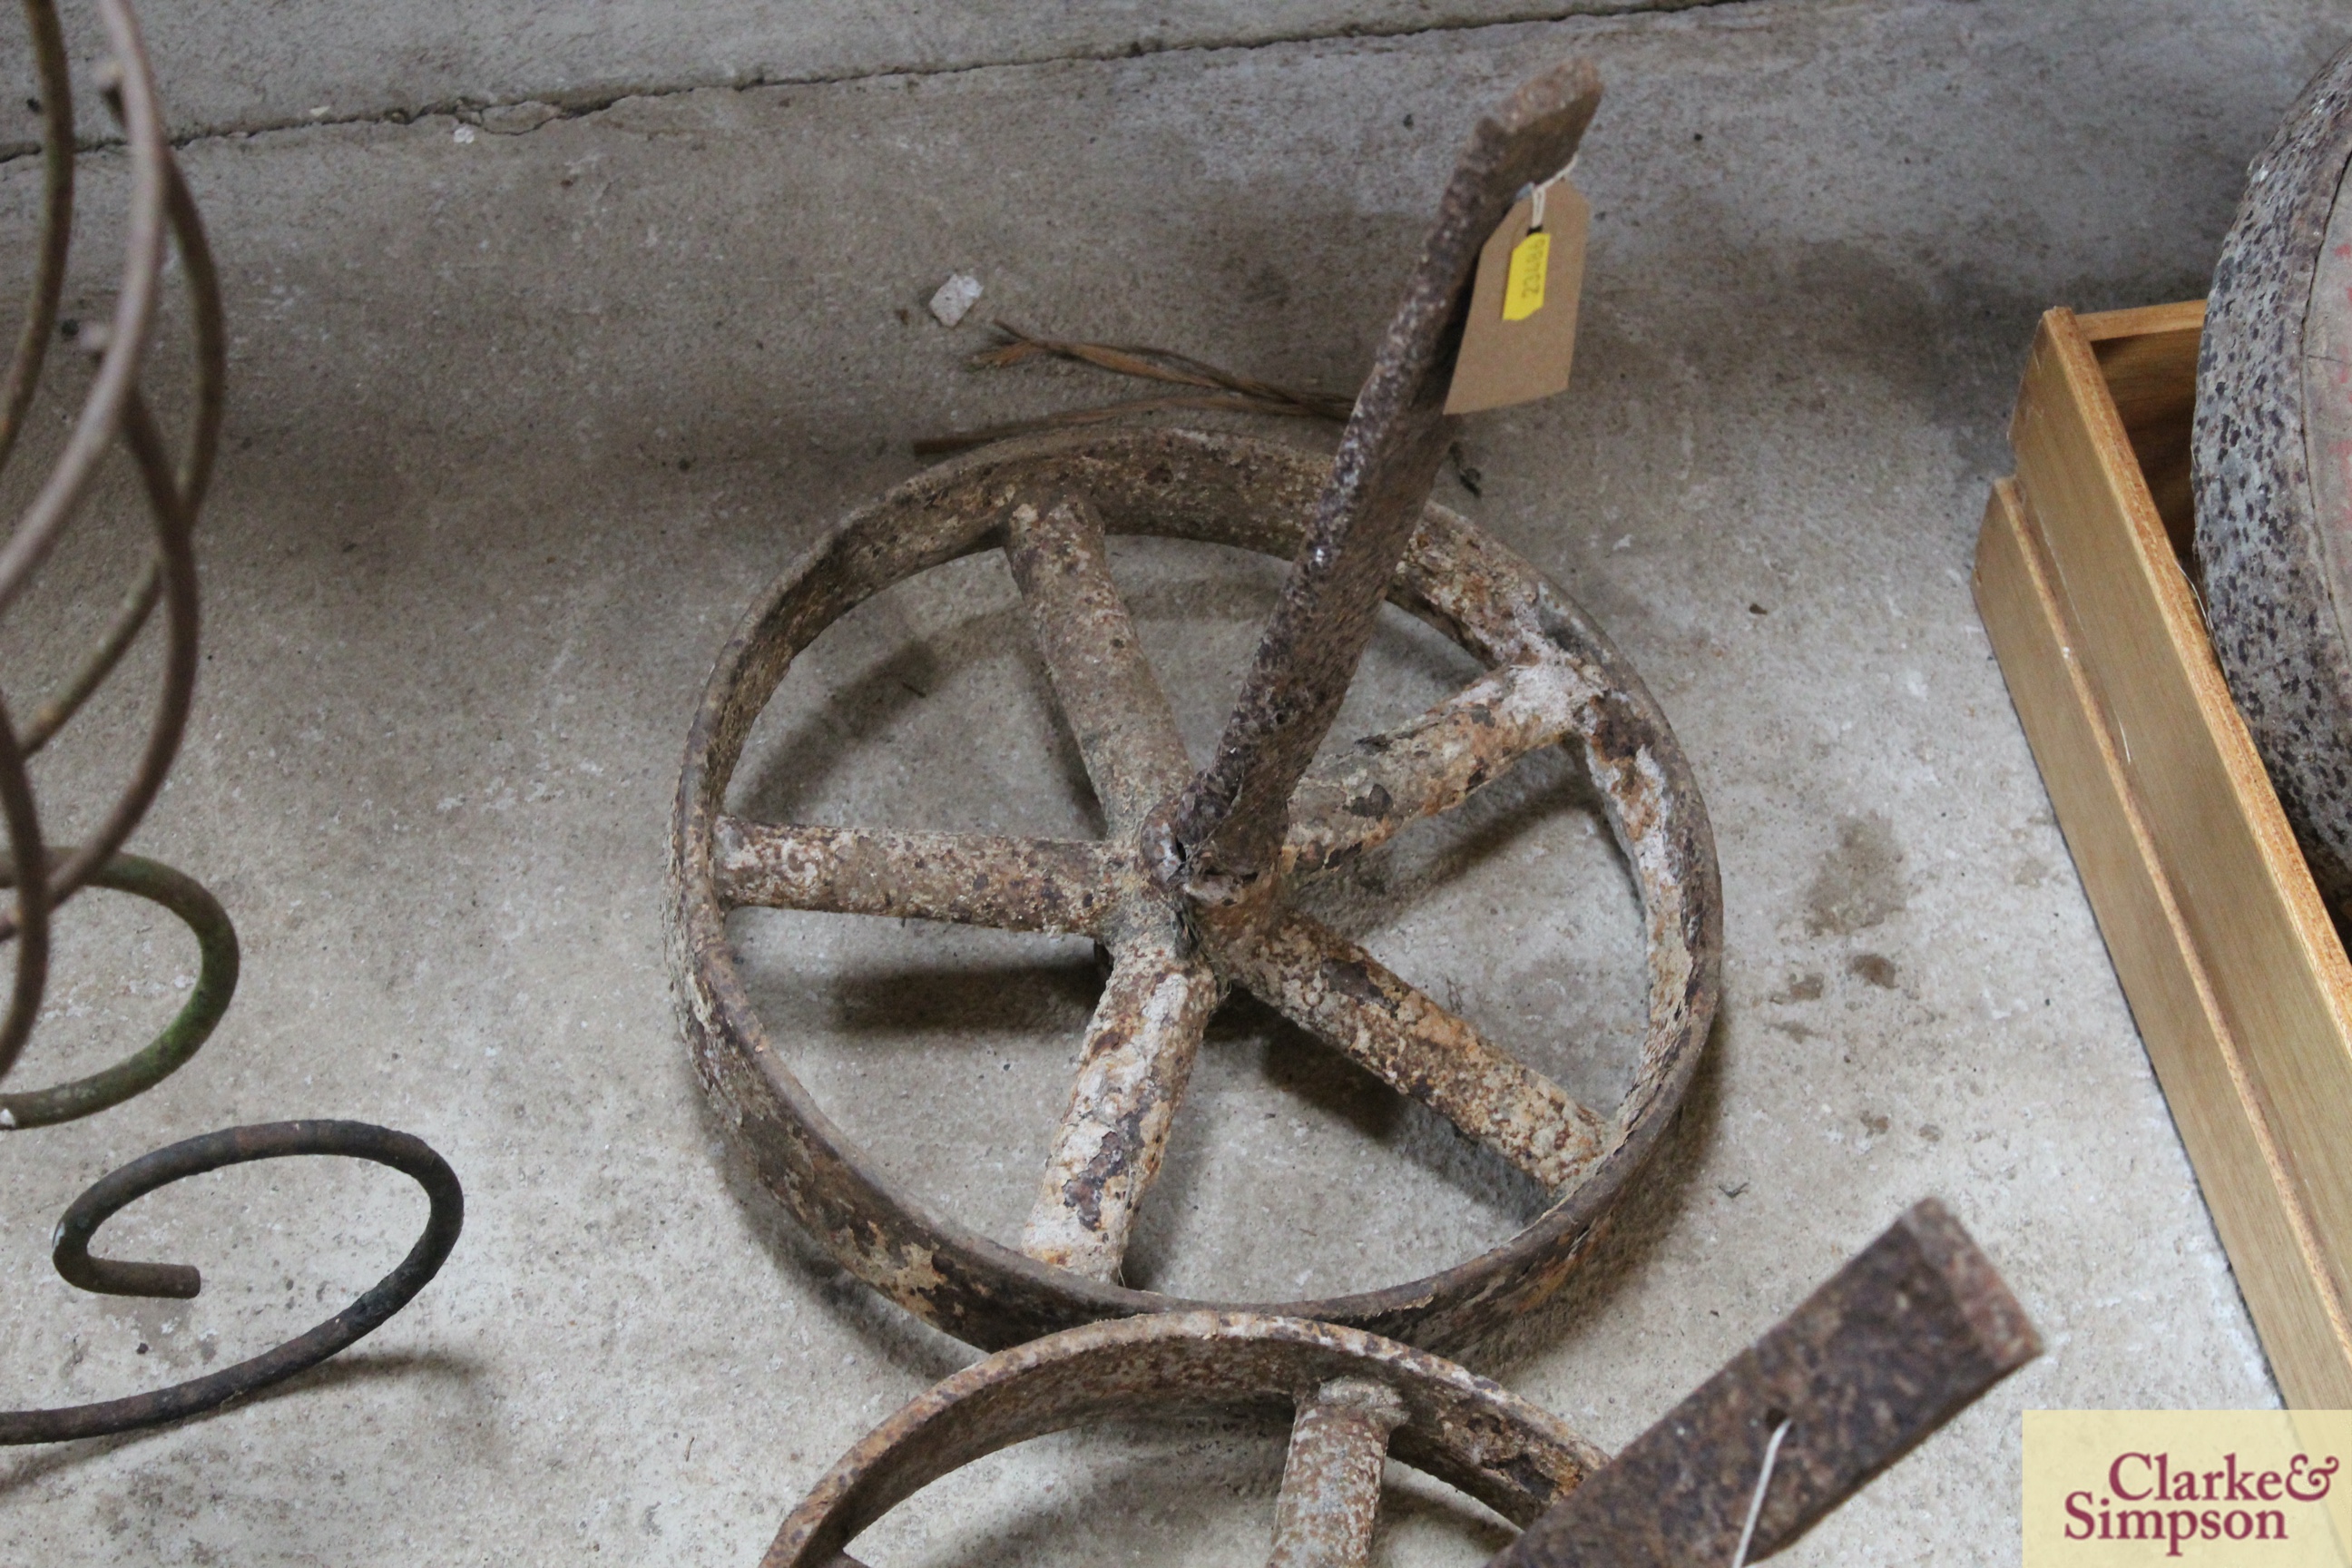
column 1226, row 827
column 1897, row 1342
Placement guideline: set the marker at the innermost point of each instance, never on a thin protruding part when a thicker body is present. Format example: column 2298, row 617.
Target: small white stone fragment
column 955, row 299
column 463, row 134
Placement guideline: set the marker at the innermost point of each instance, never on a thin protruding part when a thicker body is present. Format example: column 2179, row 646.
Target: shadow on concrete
column 351, row 1368
column 961, row 1000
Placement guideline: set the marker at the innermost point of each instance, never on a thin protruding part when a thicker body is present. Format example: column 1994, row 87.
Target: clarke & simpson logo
column 2125, row 1513
column 2222, row 1486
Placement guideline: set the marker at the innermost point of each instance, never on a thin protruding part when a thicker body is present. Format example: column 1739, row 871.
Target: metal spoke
column 1227, row 829
column 1428, row 766
column 1124, row 728
column 1331, row 1479
column 1139, row 1053
column 1334, row 989
column 1013, row 884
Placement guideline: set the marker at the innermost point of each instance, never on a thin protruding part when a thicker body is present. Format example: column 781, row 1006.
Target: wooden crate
column 2236, row 977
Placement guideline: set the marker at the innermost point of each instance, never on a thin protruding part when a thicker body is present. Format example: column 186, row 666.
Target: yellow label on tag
column 1523, row 294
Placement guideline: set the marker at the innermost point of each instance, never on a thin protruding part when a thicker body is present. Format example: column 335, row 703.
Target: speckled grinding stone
column 2271, row 458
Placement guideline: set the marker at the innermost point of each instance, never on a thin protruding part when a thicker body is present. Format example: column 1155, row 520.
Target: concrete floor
column 524, row 414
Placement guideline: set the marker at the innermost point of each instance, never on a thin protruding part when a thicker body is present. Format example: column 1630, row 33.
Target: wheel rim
column 1217, row 489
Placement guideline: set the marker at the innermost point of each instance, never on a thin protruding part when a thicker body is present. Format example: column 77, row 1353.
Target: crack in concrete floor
column 572, row 102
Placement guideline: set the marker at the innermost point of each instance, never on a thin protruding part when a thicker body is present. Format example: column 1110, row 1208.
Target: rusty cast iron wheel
column 1359, row 1399
column 1910, row 1333
column 1553, row 680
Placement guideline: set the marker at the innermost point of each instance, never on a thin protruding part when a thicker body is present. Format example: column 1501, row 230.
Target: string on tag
column 1535, row 195
column 1756, row 1504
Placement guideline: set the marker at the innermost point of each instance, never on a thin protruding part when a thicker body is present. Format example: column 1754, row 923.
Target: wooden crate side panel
column 2246, row 901
column 2102, row 327
column 2148, row 358
column 2245, row 1186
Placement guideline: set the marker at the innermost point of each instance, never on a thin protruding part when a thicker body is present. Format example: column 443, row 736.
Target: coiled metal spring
column 162, row 221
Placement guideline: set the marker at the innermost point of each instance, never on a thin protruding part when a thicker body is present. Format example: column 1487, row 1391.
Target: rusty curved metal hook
column 69, row 1251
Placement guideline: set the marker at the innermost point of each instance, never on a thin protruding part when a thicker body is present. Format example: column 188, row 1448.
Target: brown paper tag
column 1522, row 329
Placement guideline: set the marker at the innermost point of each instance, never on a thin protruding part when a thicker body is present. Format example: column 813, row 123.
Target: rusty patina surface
column 1907, row 1335
column 1011, row 884
column 1138, row 1054
column 1339, row 993
column 1898, row 1341
column 1191, row 891
column 1555, row 681
column 1357, row 1397
column 1426, row 767
column 1226, row 830
column 1331, row 1477
column 1116, row 713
